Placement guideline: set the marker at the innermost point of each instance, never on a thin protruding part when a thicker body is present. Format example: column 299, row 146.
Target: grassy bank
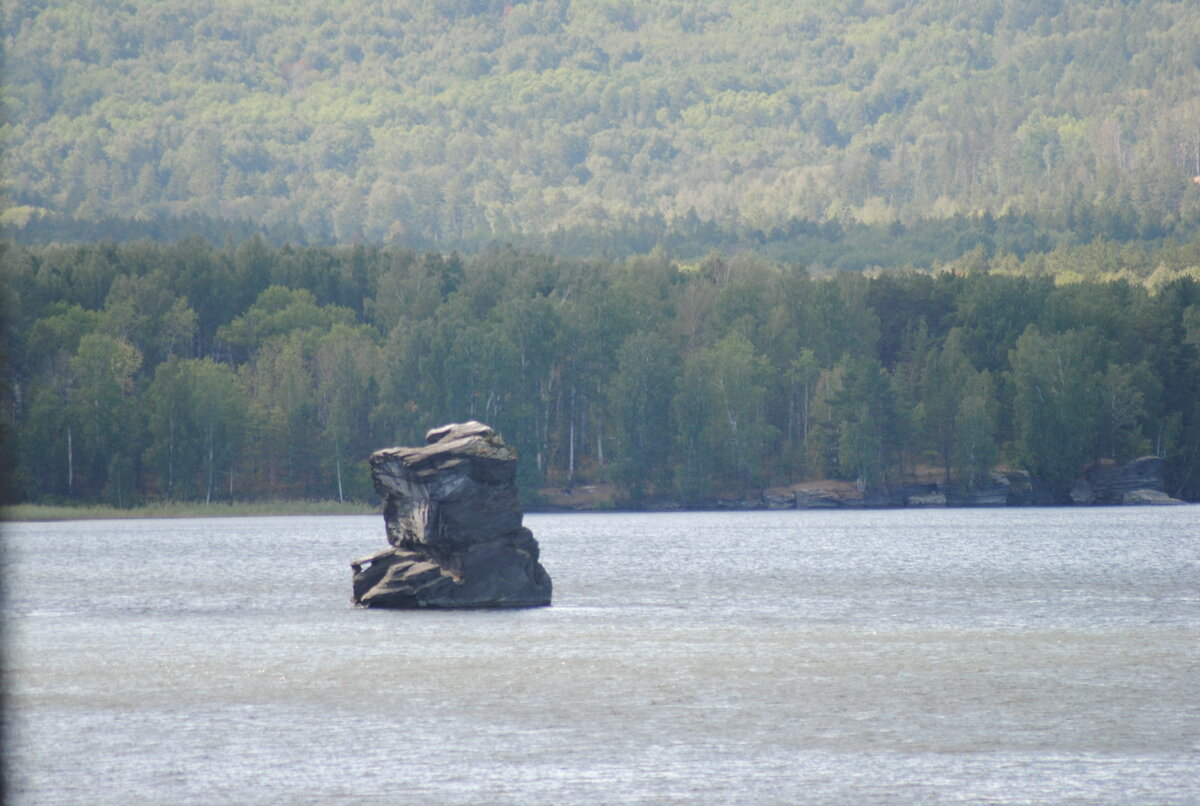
column 180, row 509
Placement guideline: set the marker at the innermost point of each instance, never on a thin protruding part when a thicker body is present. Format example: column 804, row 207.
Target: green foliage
column 197, row 417
column 1054, row 402
column 864, row 419
column 602, row 128
column 100, row 419
column 974, row 436
column 344, row 372
column 639, row 400
column 278, row 312
column 687, row 380
column 724, row 401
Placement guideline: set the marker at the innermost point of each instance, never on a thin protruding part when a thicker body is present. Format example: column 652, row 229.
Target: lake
column 907, row 656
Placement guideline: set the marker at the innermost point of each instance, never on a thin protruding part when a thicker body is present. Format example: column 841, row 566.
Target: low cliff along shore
column 453, row 523
column 1136, row 483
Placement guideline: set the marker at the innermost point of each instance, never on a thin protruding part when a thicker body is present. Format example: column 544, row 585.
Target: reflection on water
column 852, row 657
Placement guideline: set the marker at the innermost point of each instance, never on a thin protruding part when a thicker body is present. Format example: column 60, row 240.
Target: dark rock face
column 454, row 524
column 1142, row 481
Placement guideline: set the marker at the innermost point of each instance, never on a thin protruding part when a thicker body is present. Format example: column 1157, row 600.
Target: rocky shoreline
column 1137, row 483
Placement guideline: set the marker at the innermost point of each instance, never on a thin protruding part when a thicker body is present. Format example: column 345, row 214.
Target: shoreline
column 32, row 513
column 587, row 498
column 44, row 513
column 728, row 506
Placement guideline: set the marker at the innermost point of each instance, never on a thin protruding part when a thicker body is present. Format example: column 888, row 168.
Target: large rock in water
column 454, row 524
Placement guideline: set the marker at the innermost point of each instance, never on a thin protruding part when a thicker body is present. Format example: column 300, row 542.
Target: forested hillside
column 142, row 372
column 227, row 230
column 603, row 127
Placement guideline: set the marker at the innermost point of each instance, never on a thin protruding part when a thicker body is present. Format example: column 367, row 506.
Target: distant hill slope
column 460, row 122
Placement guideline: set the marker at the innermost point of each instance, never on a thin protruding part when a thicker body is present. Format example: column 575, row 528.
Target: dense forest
column 598, row 129
column 143, row 372
column 689, row 248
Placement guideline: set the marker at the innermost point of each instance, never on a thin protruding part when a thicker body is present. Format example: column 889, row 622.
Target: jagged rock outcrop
column 453, row 520
column 1105, row 483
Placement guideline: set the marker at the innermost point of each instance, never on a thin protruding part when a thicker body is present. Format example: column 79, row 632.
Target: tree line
column 142, row 372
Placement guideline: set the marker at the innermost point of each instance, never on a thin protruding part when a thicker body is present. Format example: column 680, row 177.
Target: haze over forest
column 608, row 126
column 693, row 249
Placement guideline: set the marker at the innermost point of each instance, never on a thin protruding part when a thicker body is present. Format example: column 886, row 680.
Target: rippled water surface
column 1006, row 656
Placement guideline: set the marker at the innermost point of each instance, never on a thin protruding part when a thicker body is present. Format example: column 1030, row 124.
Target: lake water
column 937, row 656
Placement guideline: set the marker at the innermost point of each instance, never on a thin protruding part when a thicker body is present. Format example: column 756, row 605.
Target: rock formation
column 454, row 524
column 1142, row 481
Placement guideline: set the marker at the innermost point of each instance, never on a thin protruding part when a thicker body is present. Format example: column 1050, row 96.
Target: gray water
column 997, row 656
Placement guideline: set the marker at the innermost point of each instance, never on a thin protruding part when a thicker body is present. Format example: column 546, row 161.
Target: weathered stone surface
column 1107, row 483
column 1148, row 497
column 826, row 494
column 816, row 501
column 926, row 500
column 453, row 520
column 1082, row 493
column 780, row 498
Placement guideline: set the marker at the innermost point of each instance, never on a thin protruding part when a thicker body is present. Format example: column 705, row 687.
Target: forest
column 603, row 128
column 690, row 249
column 143, row 372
